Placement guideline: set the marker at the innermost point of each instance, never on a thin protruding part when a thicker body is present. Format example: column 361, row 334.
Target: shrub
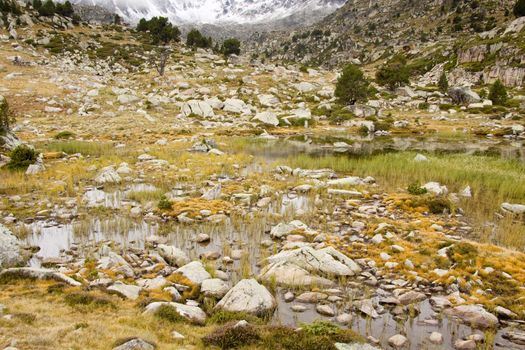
column 437, row 205
column 86, row 299
column 320, row 335
column 395, row 73
column 352, row 86
column 196, row 39
column 164, row 203
column 519, row 8
column 462, row 254
column 22, row 157
column 498, row 93
column 169, row 313
column 223, row 317
column 64, row 135
column 231, row 46
column 416, row 189
column 5, row 117
column 230, row 337
column 320, row 327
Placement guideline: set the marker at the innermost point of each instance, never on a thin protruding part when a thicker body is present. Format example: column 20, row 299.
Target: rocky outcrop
column 463, row 95
column 472, row 54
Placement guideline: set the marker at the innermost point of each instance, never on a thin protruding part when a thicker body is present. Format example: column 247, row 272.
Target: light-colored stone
column 248, row 296
column 195, row 272
column 173, row 255
column 193, row 314
column 214, row 287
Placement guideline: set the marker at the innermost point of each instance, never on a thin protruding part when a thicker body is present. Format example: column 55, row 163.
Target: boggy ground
column 120, row 142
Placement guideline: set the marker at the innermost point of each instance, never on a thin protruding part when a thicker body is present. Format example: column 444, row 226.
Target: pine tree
column 231, row 46
column 47, row 9
column 352, row 86
column 37, row 4
column 443, row 83
column 498, row 93
column 395, row 73
column 519, row 8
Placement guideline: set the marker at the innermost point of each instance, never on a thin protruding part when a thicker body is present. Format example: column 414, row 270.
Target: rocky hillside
column 474, row 40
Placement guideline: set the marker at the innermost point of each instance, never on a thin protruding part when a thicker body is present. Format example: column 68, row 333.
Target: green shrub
column 169, row 313
column 416, row 189
column 164, row 203
column 462, row 254
column 438, row 205
column 352, row 86
column 320, row 327
column 230, row 337
column 64, row 135
column 223, row 317
column 22, row 157
column 86, row 299
column 320, row 335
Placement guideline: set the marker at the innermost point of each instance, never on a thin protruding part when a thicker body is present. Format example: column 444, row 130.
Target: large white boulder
column 248, row 296
column 288, row 274
column 235, row 105
column 436, row 188
column 327, row 261
column 200, row 108
column 268, row 118
column 107, row 175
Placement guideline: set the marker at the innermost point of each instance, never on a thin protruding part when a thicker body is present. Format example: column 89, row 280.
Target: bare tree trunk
column 162, row 60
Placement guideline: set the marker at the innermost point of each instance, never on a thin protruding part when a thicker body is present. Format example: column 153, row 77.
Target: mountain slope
column 468, row 38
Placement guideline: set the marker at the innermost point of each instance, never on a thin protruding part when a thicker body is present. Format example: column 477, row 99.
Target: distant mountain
column 215, row 11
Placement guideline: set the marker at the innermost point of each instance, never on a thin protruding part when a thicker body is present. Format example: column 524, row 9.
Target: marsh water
column 245, row 233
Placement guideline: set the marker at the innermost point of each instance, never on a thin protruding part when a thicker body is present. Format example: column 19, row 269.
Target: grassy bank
column 492, row 181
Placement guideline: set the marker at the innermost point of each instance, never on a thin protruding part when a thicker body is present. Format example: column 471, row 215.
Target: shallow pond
column 246, row 233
